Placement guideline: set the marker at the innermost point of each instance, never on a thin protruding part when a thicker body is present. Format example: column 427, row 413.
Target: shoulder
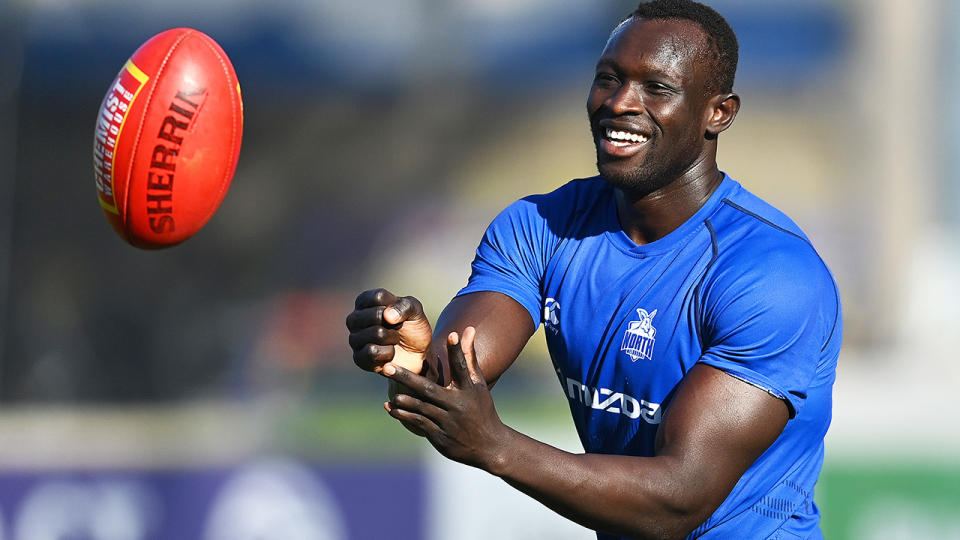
column 577, row 195
column 559, row 208
column 763, row 262
column 516, row 249
column 743, row 213
column 756, row 238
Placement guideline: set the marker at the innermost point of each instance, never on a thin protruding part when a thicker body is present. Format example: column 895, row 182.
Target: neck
column 651, row 216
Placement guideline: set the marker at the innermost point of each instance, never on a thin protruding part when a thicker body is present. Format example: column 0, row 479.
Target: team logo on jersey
column 551, row 315
column 639, row 337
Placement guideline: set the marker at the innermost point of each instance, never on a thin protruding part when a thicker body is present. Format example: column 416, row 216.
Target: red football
column 167, row 139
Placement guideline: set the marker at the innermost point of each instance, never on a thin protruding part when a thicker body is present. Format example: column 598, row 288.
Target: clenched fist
column 387, row 328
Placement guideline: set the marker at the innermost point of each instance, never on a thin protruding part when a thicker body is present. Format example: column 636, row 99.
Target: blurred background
column 207, row 391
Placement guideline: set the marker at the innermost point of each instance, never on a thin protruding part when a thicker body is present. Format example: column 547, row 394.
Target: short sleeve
column 767, row 316
column 512, row 256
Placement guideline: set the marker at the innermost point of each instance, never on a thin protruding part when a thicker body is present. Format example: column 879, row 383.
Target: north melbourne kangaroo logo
column 551, row 315
column 639, row 336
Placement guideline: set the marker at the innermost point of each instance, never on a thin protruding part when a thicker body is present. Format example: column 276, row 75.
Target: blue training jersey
column 738, row 287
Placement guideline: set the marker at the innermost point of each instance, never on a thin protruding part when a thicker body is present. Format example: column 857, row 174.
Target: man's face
column 648, row 106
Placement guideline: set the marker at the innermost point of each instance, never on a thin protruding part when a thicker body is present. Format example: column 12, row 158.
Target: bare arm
column 503, row 325
column 714, row 429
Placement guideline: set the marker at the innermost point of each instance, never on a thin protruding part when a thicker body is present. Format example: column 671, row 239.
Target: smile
column 624, row 138
column 620, row 143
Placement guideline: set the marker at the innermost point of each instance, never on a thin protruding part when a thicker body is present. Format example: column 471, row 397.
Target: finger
column 412, row 429
column 470, row 354
column 413, row 404
column 413, row 421
column 376, row 335
column 420, row 386
column 362, row 318
column 372, row 357
column 374, row 297
column 458, row 363
column 405, row 308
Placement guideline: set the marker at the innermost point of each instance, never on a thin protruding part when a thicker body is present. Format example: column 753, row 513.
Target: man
column 694, row 328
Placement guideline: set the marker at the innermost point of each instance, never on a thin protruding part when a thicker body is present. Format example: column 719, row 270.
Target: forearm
column 624, row 495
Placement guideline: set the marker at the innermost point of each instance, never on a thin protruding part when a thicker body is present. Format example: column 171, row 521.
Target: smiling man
column 694, row 328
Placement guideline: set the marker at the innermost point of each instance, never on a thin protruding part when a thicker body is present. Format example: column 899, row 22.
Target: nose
column 626, row 100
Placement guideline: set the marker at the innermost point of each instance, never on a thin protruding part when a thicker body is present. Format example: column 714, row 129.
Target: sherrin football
column 167, row 139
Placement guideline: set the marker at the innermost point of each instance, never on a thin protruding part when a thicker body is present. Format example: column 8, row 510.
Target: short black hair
column 720, row 35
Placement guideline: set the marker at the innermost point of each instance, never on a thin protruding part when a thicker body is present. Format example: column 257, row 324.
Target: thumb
column 406, row 308
column 470, row 354
column 406, row 316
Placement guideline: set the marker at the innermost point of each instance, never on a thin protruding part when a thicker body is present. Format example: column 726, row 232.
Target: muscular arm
column 714, row 429
column 503, row 328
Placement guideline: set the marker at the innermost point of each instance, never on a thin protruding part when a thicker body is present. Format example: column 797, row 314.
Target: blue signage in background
column 267, row 499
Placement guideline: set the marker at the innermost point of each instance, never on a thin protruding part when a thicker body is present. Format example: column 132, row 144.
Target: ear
column 723, row 110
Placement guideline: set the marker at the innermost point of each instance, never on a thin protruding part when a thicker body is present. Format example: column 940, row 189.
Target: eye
column 659, row 89
column 603, row 78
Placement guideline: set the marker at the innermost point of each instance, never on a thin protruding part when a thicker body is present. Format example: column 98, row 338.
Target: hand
column 459, row 420
column 386, row 328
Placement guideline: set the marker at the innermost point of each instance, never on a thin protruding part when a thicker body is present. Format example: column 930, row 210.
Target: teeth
column 625, row 136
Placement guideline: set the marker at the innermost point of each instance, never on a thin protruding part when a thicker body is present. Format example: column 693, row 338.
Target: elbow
column 685, row 499
column 679, row 525
column 677, row 515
